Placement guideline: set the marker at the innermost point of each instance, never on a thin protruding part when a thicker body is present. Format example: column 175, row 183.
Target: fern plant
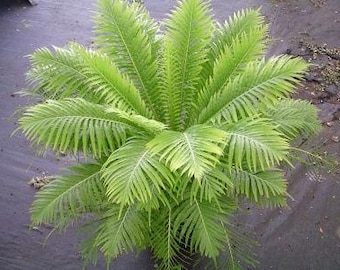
column 176, row 125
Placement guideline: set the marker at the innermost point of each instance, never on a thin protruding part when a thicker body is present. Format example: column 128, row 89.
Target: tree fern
column 176, row 124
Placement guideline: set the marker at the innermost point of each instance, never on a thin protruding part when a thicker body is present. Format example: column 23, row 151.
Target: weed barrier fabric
column 306, row 236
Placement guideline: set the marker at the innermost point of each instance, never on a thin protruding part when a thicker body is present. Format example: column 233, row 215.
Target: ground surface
column 306, row 236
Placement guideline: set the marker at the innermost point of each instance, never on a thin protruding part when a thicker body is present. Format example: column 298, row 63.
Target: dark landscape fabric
column 306, row 236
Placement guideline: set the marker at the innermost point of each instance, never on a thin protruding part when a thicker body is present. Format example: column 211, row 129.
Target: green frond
column 56, row 74
column 83, row 73
column 240, row 24
column 109, row 82
column 260, row 85
column 131, row 174
column 294, row 118
column 127, row 34
column 88, row 249
column 232, row 60
column 74, row 125
column 258, row 185
column 254, row 144
column 164, row 240
column 201, row 224
column 213, row 185
column 237, row 253
column 120, row 231
column 188, row 31
column 193, row 152
column 69, row 196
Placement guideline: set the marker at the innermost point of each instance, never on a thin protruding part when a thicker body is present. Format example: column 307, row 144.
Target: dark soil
column 306, row 236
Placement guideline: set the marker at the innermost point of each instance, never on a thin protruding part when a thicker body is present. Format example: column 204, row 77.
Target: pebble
column 335, row 139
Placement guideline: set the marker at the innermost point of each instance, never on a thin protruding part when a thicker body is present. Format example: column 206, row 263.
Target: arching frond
column 261, row 84
column 257, row 185
column 57, row 74
column 189, row 30
column 109, row 82
column 201, row 224
column 242, row 23
column 192, row 152
column 127, row 35
column 120, row 230
column 294, row 118
column 237, row 253
column 232, row 60
column 131, row 174
column 73, row 125
column 254, row 144
column 67, row 197
column 83, row 73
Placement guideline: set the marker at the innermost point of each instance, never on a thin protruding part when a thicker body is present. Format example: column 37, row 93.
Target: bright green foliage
column 177, row 123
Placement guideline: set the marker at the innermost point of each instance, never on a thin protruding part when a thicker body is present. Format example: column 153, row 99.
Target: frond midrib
column 192, row 153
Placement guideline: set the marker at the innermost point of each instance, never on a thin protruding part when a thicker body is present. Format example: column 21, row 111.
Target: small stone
column 335, row 139
column 330, row 124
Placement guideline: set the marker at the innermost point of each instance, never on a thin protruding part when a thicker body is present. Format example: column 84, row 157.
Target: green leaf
column 259, row 86
column 294, row 118
column 107, row 81
column 73, row 125
column 193, row 152
column 189, row 30
column 257, row 185
column 56, row 75
column 231, row 61
column 237, row 252
column 120, row 231
column 127, row 35
column 254, row 144
column 165, row 244
column 201, row 224
column 68, row 196
column 131, row 174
